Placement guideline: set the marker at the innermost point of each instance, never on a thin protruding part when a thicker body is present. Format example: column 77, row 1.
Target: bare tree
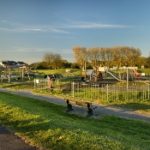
column 118, row 56
column 93, row 56
column 80, row 54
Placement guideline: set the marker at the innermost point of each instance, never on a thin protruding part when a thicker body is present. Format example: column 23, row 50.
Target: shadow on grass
column 18, row 84
column 107, row 123
column 50, row 131
column 134, row 106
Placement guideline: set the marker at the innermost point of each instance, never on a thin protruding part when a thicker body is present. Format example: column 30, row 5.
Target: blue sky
column 30, row 28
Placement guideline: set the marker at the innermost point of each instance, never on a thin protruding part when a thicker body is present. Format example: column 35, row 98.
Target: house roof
column 13, row 64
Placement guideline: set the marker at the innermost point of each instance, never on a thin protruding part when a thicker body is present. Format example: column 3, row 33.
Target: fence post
column 34, row 84
column 127, row 82
column 148, row 91
column 107, row 91
column 127, row 79
column 73, row 84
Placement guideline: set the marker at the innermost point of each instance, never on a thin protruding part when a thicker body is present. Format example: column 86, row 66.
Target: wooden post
column 107, row 92
column 73, row 84
column 9, row 75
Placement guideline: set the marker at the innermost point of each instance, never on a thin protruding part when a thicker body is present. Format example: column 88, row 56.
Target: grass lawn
column 146, row 70
column 73, row 72
column 18, row 85
column 47, row 125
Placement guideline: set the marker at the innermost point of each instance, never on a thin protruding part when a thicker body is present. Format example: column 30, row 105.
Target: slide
column 136, row 74
column 110, row 73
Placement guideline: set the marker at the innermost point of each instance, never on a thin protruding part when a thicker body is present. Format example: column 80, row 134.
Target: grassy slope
column 48, row 71
column 47, row 125
column 61, row 71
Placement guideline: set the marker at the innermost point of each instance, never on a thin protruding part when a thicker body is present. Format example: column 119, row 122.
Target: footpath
column 99, row 111
column 9, row 141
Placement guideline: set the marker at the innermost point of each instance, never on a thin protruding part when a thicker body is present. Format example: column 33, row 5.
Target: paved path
column 9, row 141
column 99, row 111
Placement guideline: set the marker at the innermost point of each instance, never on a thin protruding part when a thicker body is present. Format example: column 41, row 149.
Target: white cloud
column 59, row 29
column 17, row 27
column 44, row 29
column 94, row 25
column 34, row 29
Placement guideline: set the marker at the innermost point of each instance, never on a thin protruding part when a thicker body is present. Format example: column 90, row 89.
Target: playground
column 114, row 74
column 102, row 87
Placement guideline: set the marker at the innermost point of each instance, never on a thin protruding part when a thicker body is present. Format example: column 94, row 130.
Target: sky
column 31, row 28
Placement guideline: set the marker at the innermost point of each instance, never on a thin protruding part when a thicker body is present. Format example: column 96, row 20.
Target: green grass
column 47, row 125
column 18, row 85
column 146, row 70
column 73, row 72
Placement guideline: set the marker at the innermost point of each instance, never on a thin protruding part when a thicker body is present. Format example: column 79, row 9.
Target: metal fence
column 53, row 85
column 98, row 92
column 111, row 92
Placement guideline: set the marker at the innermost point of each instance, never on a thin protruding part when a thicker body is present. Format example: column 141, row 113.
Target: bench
column 88, row 105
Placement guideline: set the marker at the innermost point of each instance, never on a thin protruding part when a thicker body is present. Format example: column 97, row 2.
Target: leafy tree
column 53, row 60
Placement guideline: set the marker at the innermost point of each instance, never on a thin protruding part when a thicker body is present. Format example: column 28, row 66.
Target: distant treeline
column 93, row 57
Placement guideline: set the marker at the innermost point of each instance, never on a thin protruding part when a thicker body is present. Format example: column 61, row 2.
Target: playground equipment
column 114, row 76
column 136, row 74
column 101, row 74
column 106, row 74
